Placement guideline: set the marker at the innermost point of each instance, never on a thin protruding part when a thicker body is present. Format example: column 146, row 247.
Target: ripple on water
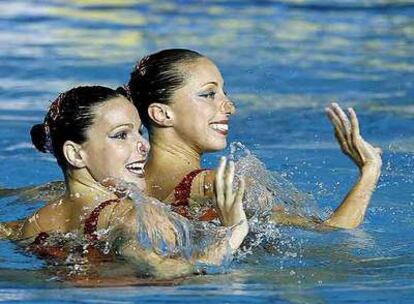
column 286, row 59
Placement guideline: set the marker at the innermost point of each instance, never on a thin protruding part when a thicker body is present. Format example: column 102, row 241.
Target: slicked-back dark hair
column 68, row 118
column 156, row 77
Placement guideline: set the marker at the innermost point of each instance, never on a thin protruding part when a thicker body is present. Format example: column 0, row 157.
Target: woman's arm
column 137, row 237
column 229, row 203
column 231, row 213
column 351, row 211
column 47, row 192
column 148, row 262
column 11, row 230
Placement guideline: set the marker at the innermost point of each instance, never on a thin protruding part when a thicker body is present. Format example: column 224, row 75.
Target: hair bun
column 38, row 135
column 122, row 91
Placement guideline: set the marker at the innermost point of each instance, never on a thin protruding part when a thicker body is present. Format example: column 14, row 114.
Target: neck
column 182, row 155
column 167, row 146
column 170, row 159
column 81, row 185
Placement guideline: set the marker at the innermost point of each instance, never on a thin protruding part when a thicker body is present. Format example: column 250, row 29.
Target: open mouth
column 136, row 168
column 221, row 127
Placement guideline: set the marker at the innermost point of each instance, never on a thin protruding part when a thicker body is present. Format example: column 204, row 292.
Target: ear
column 73, row 154
column 161, row 114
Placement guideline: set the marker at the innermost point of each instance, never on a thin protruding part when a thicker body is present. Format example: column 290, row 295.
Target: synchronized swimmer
column 182, row 101
column 94, row 133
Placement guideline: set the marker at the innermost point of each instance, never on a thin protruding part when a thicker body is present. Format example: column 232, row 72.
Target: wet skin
column 185, row 130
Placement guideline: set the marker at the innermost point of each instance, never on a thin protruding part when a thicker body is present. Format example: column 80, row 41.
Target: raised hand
column 229, row 203
column 363, row 154
column 351, row 212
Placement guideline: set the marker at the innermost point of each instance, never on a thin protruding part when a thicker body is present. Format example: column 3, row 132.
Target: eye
column 209, row 95
column 120, row 135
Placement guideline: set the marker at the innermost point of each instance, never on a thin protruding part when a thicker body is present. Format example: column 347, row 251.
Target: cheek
column 200, row 117
column 198, row 108
column 105, row 163
column 114, row 162
column 120, row 154
column 112, row 158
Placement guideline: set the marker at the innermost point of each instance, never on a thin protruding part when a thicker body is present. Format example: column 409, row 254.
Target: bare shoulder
column 121, row 214
column 50, row 218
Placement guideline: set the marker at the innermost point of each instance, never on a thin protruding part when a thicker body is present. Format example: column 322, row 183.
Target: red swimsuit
column 182, row 193
column 39, row 246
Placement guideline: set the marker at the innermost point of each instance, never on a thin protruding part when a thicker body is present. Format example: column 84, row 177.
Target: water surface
column 283, row 62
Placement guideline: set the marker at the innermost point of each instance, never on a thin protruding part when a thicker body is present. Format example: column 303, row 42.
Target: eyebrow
column 211, row 82
column 123, row 125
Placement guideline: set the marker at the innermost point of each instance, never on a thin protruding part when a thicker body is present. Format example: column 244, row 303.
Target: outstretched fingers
column 219, row 182
column 354, row 123
column 340, row 133
column 346, row 125
column 239, row 194
column 229, row 202
column 343, row 118
column 347, row 132
column 229, row 184
column 357, row 141
column 366, row 152
column 333, row 117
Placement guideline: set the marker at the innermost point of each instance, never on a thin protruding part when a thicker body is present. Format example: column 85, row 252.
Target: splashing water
column 169, row 234
column 266, row 189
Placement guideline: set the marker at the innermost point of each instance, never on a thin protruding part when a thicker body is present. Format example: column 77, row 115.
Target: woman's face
column 115, row 147
column 201, row 108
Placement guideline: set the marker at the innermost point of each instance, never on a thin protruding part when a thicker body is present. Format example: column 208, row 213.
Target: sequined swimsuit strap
column 91, row 222
column 42, row 236
column 182, row 193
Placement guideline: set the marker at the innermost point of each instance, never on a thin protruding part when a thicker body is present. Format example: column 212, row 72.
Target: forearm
column 11, row 230
column 238, row 234
column 218, row 252
column 283, row 218
column 46, row 192
column 351, row 211
column 150, row 264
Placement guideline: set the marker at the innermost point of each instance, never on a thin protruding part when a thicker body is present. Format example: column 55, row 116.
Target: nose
column 143, row 147
column 228, row 106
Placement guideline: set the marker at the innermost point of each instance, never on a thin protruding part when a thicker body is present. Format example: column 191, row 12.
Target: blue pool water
column 283, row 62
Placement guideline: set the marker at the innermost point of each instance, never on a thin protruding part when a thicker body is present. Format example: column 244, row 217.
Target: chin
column 216, row 146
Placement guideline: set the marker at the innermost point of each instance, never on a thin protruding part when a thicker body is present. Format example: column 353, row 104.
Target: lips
column 221, row 127
column 136, row 168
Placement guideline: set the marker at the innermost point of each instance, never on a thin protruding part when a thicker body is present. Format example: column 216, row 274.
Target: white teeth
column 220, row 127
column 136, row 167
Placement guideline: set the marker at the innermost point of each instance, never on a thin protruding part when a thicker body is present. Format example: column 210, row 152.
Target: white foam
column 18, row 118
column 19, row 146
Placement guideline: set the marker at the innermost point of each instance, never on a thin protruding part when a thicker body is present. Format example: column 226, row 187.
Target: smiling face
column 201, row 108
column 115, row 147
